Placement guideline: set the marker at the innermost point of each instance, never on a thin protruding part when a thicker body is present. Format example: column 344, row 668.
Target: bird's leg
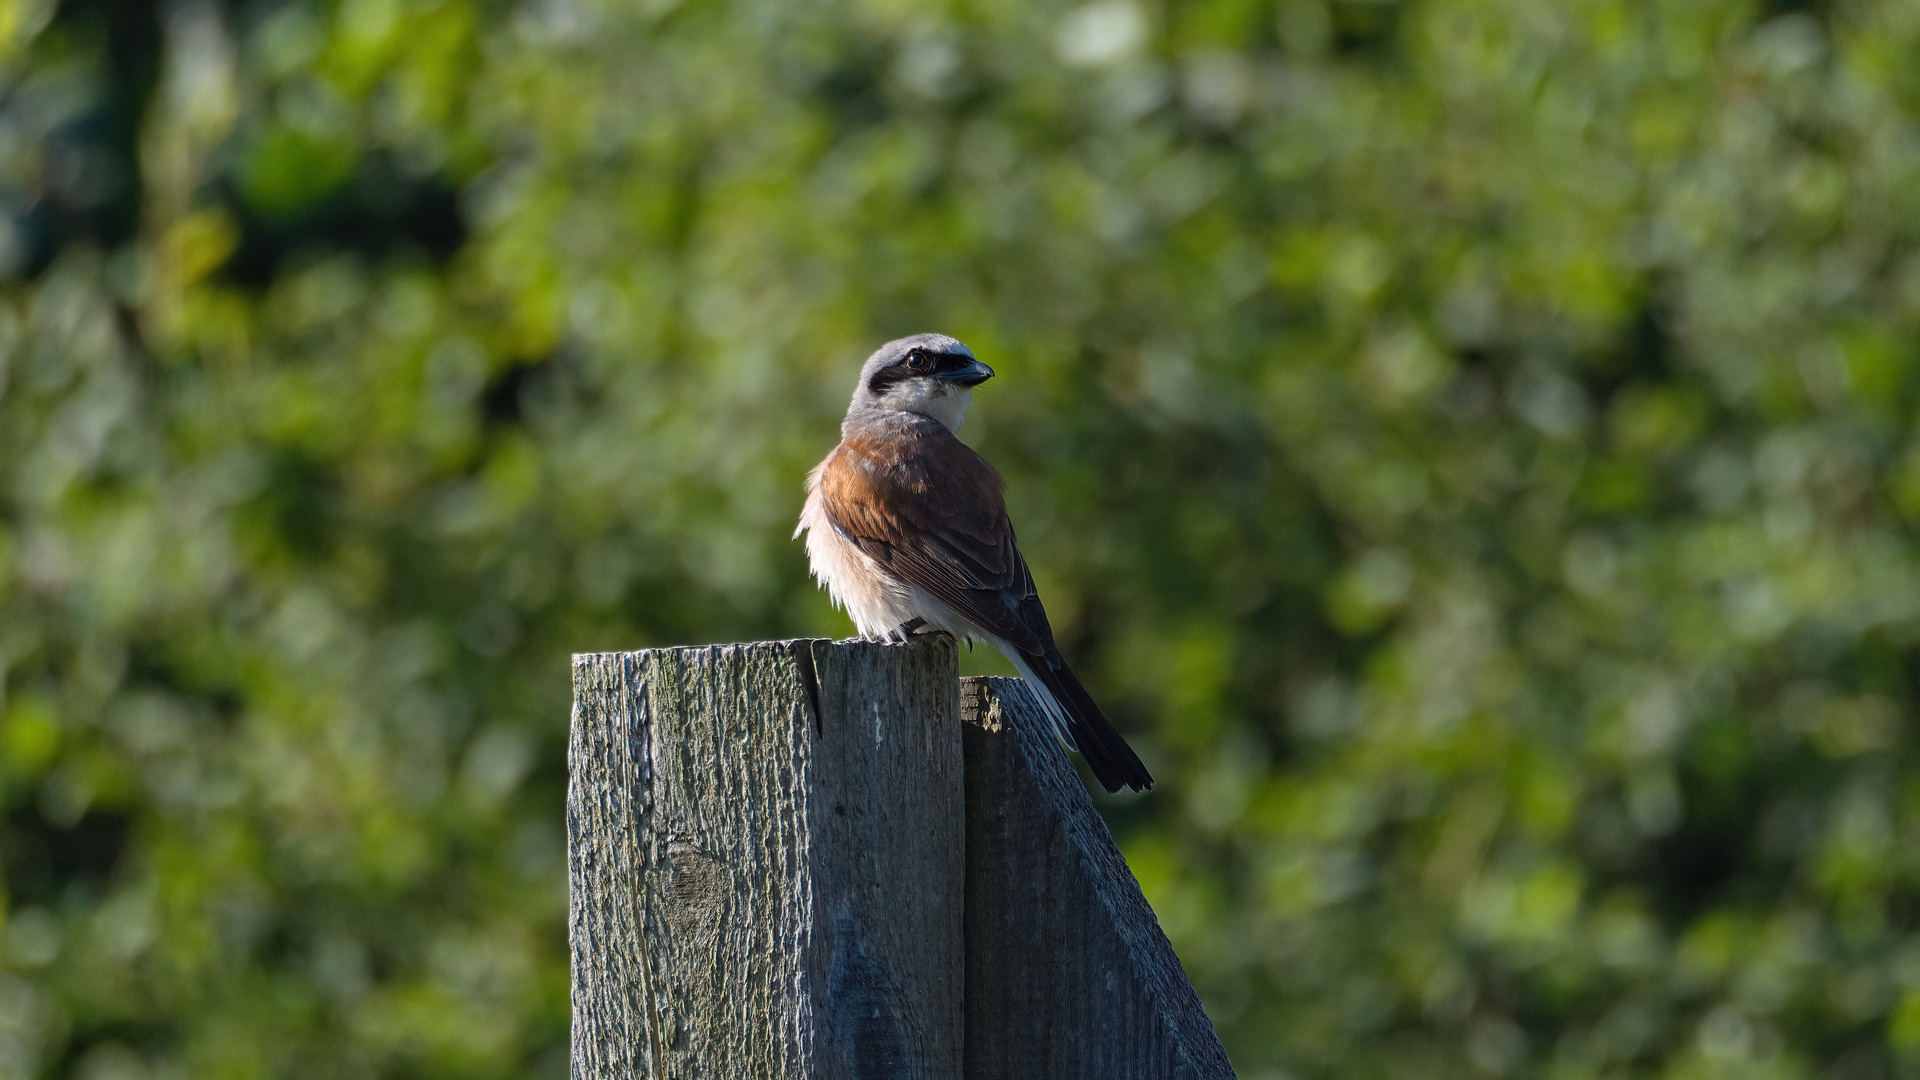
column 918, row 628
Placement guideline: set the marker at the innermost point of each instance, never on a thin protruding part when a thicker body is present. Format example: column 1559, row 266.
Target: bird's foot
column 915, row 628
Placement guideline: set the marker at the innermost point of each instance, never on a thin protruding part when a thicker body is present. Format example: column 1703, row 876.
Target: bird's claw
column 916, row 628
column 911, row 630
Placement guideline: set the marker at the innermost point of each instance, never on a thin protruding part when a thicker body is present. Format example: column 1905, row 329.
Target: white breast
column 878, row 601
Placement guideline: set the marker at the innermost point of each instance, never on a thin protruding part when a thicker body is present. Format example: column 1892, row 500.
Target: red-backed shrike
column 907, row 527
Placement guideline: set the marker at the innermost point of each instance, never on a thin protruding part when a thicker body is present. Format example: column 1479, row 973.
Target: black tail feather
column 1113, row 762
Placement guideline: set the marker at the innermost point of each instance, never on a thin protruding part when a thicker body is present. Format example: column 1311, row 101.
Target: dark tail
column 1113, row 762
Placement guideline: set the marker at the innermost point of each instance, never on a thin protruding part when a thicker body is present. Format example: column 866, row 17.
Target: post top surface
column 779, row 645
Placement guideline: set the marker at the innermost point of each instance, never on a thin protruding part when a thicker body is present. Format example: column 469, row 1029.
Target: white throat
column 944, row 402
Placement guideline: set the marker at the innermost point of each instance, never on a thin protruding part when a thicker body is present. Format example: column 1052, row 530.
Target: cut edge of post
column 1007, row 708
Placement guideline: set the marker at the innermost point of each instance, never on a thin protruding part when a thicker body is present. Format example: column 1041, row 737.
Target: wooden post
column 1068, row 974
column 779, row 867
column 766, row 862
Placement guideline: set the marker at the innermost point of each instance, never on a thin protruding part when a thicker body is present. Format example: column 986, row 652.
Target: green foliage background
column 1469, row 443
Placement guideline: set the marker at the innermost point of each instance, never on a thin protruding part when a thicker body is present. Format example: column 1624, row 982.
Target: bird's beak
column 973, row 374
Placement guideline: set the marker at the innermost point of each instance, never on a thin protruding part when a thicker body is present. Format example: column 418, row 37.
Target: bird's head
column 929, row 374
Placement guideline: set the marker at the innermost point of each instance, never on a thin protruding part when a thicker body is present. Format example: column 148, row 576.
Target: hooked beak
column 973, row 374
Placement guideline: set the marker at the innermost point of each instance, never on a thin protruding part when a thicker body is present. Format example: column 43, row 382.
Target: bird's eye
column 919, row 361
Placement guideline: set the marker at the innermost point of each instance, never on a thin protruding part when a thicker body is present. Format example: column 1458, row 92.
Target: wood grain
column 766, row 862
column 1068, row 974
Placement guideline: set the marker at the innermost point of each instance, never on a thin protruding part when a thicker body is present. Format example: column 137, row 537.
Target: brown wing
column 932, row 512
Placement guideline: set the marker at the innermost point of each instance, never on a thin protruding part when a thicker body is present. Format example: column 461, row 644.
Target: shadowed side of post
column 1068, row 975
column 766, row 862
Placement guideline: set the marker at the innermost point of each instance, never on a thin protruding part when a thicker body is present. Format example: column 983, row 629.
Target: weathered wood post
column 766, row 862
column 786, row 861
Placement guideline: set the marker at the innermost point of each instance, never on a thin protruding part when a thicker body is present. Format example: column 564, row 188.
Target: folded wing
column 931, row 512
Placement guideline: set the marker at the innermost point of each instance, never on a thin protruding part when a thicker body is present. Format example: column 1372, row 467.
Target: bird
column 906, row 528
